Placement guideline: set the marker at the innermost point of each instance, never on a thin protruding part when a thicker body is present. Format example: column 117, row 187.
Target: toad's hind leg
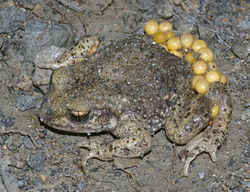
column 133, row 141
column 213, row 137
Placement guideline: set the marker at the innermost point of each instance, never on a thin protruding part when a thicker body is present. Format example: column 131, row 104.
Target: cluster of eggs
column 187, row 46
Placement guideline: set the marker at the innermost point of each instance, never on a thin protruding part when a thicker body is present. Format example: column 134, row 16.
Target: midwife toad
column 132, row 88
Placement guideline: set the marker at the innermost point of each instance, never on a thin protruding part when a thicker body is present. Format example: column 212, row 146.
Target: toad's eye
column 79, row 109
column 79, row 116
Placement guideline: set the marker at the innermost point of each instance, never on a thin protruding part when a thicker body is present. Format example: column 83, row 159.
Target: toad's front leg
column 133, row 141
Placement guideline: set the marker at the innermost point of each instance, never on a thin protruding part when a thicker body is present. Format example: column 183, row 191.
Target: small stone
column 11, row 19
column 168, row 148
column 5, row 121
column 24, row 82
column 38, row 10
column 80, row 185
column 14, row 142
column 201, row 174
column 117, row 174
column 19, row 164
column 25, row 102
column 27, row 142
column 166, row 10
column 41, row 78
column 20, row 183
column 94, row 170
column 245, row 115
column 183, row 26
column 231, row 162
column 36, row 162
column 240, row 49
column 43, row 178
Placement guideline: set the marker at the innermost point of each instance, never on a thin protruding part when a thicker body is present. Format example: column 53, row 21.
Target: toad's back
column 135, row 69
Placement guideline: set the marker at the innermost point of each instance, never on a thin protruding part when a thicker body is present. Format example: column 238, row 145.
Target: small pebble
column 27, row 142
column 117, row 173
column 20, row 183
column 5, row 121
column 25, row 102
column 80, row 185
column 43, row 178
column 240, row 49
column 14, row 142
column 231, row 162
column 19, row 164
column 96, row 169
column 36, row 162
column 201, row 174
column 168, row 148
column 245, row 115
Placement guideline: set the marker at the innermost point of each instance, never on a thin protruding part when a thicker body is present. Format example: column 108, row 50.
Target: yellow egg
column 160, row 37
column 213, row 76
column 206, row 54
column 198, row 44
column 212, row 66
column 223, row 78
column 170, row 34
column 215, row 110
column 195, row 79
column 202, row 86
column 177, row 53
column 174, row 43
column 165, row 26
column 190, row 58
column 187, row 40
column 151, row 27
column 199, row 67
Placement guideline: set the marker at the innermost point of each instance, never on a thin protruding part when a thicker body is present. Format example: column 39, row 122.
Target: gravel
column 36, row 161
column 5, row 121
column 25, row 102
column 11, row 19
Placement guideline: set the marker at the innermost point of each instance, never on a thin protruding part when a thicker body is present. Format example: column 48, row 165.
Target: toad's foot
column 134, row 141
column 209, row 140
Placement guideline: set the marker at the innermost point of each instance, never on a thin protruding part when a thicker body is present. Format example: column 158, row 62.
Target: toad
column 133, row 88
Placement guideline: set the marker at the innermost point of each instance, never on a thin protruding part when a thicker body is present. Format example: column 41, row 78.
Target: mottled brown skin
column 131, row 88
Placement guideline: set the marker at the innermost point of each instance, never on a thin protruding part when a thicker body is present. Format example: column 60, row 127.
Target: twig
column 133, row 185
column 207, row 28
column 70, row 6
column 131, row 175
